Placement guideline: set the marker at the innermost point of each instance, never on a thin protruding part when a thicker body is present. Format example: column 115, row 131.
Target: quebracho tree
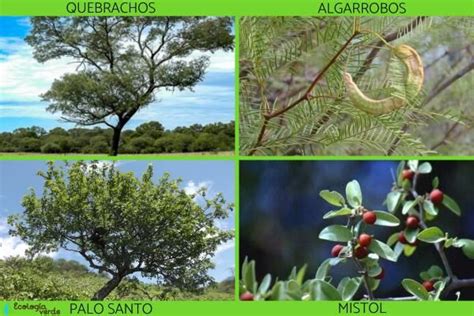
column 123, row 225
column 123, row 62
column 357, row 246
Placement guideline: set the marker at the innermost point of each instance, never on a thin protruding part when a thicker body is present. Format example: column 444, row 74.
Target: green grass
column 177, row 156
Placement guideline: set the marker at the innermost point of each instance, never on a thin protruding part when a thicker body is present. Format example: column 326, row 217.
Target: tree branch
column 446, row 136
column 365, row 279
column 431, row 96
column 449, row 82
column 304, row 97
column 388, row 38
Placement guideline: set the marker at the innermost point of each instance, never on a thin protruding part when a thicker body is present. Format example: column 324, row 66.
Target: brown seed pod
column 414, row 83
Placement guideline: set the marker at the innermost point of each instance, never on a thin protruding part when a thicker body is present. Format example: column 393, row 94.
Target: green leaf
column 292, row 275
column 374, row 270
column 439, row 286
column 278, row 291
column 408, row 250
column 249, row 277
column 425, row 276
column 413, row 165
column 342, row 284
column 294, row 290
column 393, row 199
column 386, row 219
column 342, row 212
column 265, row 285
column 431, row 235
column 350, row 288
column 382, row 249
column 392, row 239
column 435, row 272
column 332, row 197
column 323, row 270
column 467, row 247
column 429, row 208
column 300, row 275
column 410, row 234
column 400, row 168
column 451, row 205
column 449, row 242
column 373, row 283
column 425, row 168
column 354, row 194
column 324, row 291
column 415, row 288
column 336, row 233
column 335, row 261
column 408, row 206
column 399, row 247
column 435, row 183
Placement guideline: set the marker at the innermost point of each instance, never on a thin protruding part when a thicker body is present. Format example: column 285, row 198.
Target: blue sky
column 23, row 79
column 17, row 177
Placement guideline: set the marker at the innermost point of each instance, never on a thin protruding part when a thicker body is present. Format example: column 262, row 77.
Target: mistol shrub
column 357, row 246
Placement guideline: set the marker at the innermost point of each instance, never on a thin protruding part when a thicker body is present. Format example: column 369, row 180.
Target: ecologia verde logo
column 26, row 308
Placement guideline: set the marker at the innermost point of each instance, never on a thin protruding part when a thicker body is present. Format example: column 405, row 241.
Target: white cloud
column 221, row 61
column 192, row 187
column 23, row 78
column 225, row 246
column 12, row 246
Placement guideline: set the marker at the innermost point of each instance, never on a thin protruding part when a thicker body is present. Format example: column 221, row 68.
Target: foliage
column 150, row 137
column 123, row 62
column 293, row 100
column 405, row 202
column 123, row 225
column 46, row 279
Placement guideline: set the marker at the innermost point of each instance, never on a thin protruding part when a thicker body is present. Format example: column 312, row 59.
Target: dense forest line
column 147, row 138
column 48, row 279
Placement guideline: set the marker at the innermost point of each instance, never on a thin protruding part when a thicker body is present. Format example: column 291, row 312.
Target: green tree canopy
column 123, row 225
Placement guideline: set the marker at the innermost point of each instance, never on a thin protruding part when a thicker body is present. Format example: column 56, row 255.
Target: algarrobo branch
column 305, row 97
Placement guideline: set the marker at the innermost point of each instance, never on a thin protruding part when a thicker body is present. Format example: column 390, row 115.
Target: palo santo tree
column 347, row 86
column 122, row 225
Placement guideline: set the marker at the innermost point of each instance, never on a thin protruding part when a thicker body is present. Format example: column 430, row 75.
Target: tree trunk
column 116, row 139
column 107, row 288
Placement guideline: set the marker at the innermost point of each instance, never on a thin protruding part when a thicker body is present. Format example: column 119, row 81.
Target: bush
column 51, row 148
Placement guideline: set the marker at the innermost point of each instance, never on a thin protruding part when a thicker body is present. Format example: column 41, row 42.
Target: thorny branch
column 305, row 97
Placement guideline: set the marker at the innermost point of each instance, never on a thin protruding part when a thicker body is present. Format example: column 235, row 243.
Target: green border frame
column 238, row 8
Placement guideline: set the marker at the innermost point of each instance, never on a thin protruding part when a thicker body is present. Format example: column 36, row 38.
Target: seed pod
column 413, row 85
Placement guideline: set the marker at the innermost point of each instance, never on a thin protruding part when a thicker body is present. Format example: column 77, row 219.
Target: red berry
column 247, row 296
column 428, row 285
column 364, row 240
column 412, row 222
column 369, row 217
column 361, row 252
column 407, row 174
column 436, row 196
column 380, row 275
column 401, row 238
column 336, row 250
